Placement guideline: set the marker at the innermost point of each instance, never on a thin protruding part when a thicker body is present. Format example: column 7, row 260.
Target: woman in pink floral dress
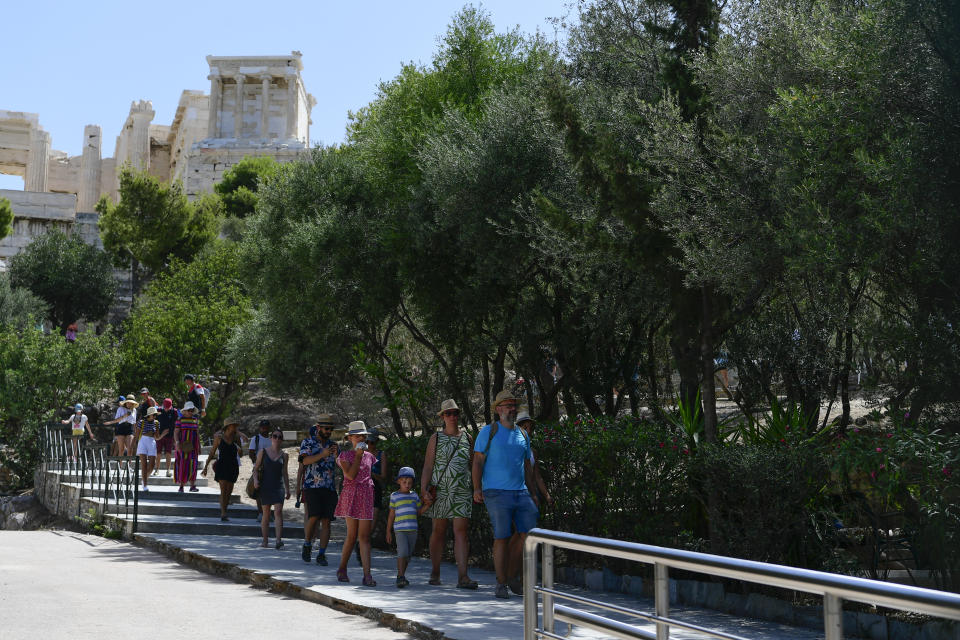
column 356, row 500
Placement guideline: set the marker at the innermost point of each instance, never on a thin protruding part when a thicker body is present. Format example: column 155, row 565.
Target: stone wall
column 207, row 163
column 34, row 214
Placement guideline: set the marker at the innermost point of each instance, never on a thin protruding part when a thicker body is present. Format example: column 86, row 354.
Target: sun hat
column 144, row 390
column 357, row 428
column 167, row 403
column 373, row 435
column 189, row 406
column 229, row 421
column 131, row 400
column 447, row 405
column 503, row 396
column 523, row 416
column 406, row 472
column 151, row 411
column 326, row 419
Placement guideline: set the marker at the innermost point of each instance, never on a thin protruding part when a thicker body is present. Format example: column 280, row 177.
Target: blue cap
column 406, row 472
column 122, row 400
column 78, row 407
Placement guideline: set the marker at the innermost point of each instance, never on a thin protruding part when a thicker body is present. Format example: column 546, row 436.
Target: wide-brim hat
column 152, row 411
column 229, row 421
column 131, row 400
column 502, row 397
column 326, row 418
column 447, row 405
column 523, row 416
column 357, row 428
column 189, row 406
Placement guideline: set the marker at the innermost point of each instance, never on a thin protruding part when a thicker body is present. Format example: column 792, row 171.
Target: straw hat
column 447, row 405
column 357, row 428
column 151, row 411
column 130, row 400
column 326, row 418
column 523, row 416
column 229, row 421
column 503, row 396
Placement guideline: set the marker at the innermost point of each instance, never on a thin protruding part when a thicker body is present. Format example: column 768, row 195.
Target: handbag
column 252, row 491
column 186, row 446
column 432, row 488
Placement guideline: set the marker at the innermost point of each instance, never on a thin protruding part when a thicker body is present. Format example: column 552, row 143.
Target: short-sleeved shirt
column 503, row 468
column 195, row 395
column 149, row 427
column 168, row 420
column 259, row 442
column 318, row 475
column 126, row 415
column 406, row 506
column 78, row 423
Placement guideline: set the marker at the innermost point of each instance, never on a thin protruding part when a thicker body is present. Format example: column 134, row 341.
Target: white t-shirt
column 128, row 415
column 263, row 444
column 74, row 424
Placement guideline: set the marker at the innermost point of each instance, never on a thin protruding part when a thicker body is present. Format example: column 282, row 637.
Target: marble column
column 89, row 191
column 141, row 114
column 36, row 178
column 216, row 91
column 291, row 130
column 238, row 109
column 265, row 106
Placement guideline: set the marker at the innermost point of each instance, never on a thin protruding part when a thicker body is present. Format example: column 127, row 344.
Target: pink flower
column 879, row 450
column 686, row 451
column 946, row 471
column 661, row 445
column 906, row 415
column 889, row 435
column 856, row 430
column 873, row 475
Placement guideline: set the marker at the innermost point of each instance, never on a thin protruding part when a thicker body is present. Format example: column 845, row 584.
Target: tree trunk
column 708, row 388
column 845, row 374
column 486, row 391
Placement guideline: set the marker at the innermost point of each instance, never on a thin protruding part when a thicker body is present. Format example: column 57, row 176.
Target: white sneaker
column 145, row 489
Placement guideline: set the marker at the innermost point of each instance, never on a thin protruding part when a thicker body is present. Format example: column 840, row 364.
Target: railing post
column 547, row 583
column 83, row 476
column 136, row 493
column 832, row 617
column 529, row 597
column 661, row 591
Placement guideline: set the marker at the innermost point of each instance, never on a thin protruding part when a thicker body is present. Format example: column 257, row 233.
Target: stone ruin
column 257, row 106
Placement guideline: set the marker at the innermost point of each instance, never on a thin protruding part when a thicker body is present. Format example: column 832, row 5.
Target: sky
column 79, row 63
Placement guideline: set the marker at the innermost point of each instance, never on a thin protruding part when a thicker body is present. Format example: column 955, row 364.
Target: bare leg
column 515, row 557
column 438, row 540
column 265, row 524
column 500, row 558
column 348, row 543
column 324, row 532
column 363, row 535
column 461, row 546
column 278, row 521
column 226, row 488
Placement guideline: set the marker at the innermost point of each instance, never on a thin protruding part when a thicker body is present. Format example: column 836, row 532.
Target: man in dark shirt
column 168, row 419
column 196, row 394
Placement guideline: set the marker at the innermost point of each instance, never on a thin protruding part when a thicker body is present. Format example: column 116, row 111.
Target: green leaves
column 6, row 218
column 74, row 279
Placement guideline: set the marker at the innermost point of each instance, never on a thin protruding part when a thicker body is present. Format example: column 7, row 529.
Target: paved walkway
column 60, row 584
column 456, row 613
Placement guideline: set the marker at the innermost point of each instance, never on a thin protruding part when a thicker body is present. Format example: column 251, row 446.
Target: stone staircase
column 163, row 509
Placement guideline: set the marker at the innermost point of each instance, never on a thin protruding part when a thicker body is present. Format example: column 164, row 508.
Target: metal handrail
column 115, row 479
column 833, row 587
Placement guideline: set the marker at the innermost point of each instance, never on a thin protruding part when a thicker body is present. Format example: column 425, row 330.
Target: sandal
column 435, row 581
column 467, row 583
column 342, row 575
column 368, row 581
column 279, row 544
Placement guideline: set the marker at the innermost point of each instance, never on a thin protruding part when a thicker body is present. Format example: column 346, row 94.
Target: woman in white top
column 78, row 422
column 126, row 420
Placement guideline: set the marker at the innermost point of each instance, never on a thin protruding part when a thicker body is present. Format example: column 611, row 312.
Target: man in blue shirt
column 318, row 455
column 502, row 471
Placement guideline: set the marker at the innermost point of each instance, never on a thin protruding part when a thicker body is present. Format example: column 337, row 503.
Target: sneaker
column 322, row 559
column 304, row 552
column 145, row 488
column 516, row 585
column 502, row 591
column 180, row 490
column 194, row 489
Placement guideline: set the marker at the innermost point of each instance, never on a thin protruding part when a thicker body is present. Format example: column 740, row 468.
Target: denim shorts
column 406, row 541
column 506, row 508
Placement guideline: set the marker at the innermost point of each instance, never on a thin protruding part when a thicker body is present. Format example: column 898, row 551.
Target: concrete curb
column 284, row 587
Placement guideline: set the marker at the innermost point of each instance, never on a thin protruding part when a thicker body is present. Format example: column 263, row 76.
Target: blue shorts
column 506, row 508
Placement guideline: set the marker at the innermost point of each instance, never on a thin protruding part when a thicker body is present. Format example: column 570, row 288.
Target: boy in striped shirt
column 405, row 506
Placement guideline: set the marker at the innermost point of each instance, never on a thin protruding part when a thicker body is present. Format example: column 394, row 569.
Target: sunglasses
column 452, row 412
column 276, row 436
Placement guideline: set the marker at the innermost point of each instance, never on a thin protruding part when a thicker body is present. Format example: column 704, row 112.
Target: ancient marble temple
column 257, row 106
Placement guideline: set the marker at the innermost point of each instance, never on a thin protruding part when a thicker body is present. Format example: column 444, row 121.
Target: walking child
column 405, row 506
column 80, row 422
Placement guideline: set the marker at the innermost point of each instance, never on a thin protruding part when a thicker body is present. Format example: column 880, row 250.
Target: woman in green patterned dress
column 447, row 467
